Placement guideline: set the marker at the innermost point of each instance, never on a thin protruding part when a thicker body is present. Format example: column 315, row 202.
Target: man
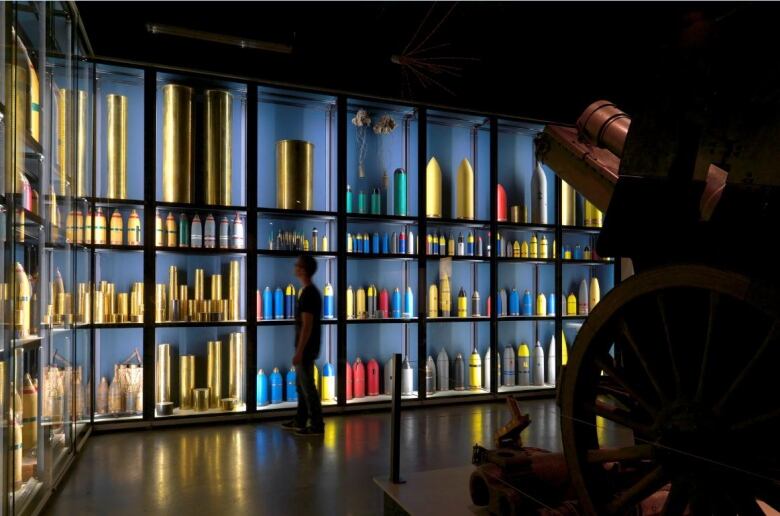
column 308, row 310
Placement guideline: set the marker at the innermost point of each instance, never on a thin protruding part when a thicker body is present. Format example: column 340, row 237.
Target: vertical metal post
column 422, row 231
column 150, row 255
column 493, row 258
column 395, row 421
column 251, row 246
column 341, row 251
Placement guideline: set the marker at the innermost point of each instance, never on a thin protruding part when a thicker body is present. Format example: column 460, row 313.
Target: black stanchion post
column 395, row 421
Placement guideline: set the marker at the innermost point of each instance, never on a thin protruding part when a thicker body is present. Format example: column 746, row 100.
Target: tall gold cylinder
column 216, row 287
column 199, row 285
column 173, row 282
column 160, row 303
column 214, row 372
column 234, row 291
column 568, row 203
column 464, row 188
column 163, row 374
column 73, row 130
column 99, row 307
column 116, row 147
column 218, row 147
column 177, row 143
column 122, row 307
column 17, row 86
column 294, row 175
column 186, row 381
column 433, row 190
column 236, row 371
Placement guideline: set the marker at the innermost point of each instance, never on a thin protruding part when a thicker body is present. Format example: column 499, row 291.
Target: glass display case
column 199, row 241
column 45, row 363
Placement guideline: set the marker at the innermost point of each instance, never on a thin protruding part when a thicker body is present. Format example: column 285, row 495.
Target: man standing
column 308, row 311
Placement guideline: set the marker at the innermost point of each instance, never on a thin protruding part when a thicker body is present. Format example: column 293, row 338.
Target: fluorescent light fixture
column 223, row 39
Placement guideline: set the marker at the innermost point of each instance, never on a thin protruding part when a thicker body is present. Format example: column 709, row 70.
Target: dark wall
column 540, row 60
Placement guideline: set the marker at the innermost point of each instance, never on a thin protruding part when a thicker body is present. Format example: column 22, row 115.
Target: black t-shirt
column 309, row 301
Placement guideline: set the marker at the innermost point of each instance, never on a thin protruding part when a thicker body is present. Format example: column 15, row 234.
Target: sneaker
column 309, row 431
column 292, row 425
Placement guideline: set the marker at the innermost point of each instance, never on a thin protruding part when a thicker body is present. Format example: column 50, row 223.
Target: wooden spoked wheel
column 687, row 358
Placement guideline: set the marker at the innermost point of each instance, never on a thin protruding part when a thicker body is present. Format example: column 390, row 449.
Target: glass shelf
column 193, row 324
column 294, row 254
column 286, row 322
column 382, row 321
column 200, row 251
column 297, row 214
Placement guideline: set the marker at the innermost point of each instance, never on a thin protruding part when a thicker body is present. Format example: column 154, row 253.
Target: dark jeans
column 309, row 407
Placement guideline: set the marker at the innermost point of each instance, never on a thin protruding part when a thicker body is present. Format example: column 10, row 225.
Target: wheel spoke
column 642, row 359
column 745, row 503
column 714, row 302
column 727, row 396
column 675, row 371
column 643, row 488
column 677, row 499
column 613, row 373
column 638, row 452
column 620, row 417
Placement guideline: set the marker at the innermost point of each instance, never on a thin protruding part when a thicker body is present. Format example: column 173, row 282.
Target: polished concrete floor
column 262, row 469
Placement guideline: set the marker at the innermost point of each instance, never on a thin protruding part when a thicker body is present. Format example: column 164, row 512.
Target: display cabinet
column 157, row 215
column 45, row 363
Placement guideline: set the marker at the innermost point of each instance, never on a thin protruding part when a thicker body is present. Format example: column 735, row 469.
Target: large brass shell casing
column 72, row 142
column 173, row 282
column 218, row 147
column 17, row 86
column 186, row 381
column 162, row 375
column 177, row 143
column 214, row 372
column 160, row 303
column 236, row 371
column 199, row 285
column 568, row 203
column 464, row 188
column 216, row 287
column 433, row 190
column 234, row 291
column 294, row 175
column 200, row 399
column 116, row 146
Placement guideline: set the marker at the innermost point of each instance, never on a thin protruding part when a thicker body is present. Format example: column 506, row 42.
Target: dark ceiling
column 539, row 60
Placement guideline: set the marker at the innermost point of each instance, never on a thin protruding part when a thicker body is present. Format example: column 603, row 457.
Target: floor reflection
column 261, row 468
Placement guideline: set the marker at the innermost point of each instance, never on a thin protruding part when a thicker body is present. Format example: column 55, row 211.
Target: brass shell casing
column 17, row 84
column 177, row 143
column 294, row 175
column 73, row 159
column 236, row 371
column 99, row 307
column 216, row 287
column 173, row 282
column 160, row 303
column 433, row 190
column 200, row 398
column 116, row 146
column 163, row 374
column 464, row 188
column 214, row 372
column 186, row 381
column 568, row 203
column 218, row 147
column 199, row 285
column 122, row 305
column 234, row 291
